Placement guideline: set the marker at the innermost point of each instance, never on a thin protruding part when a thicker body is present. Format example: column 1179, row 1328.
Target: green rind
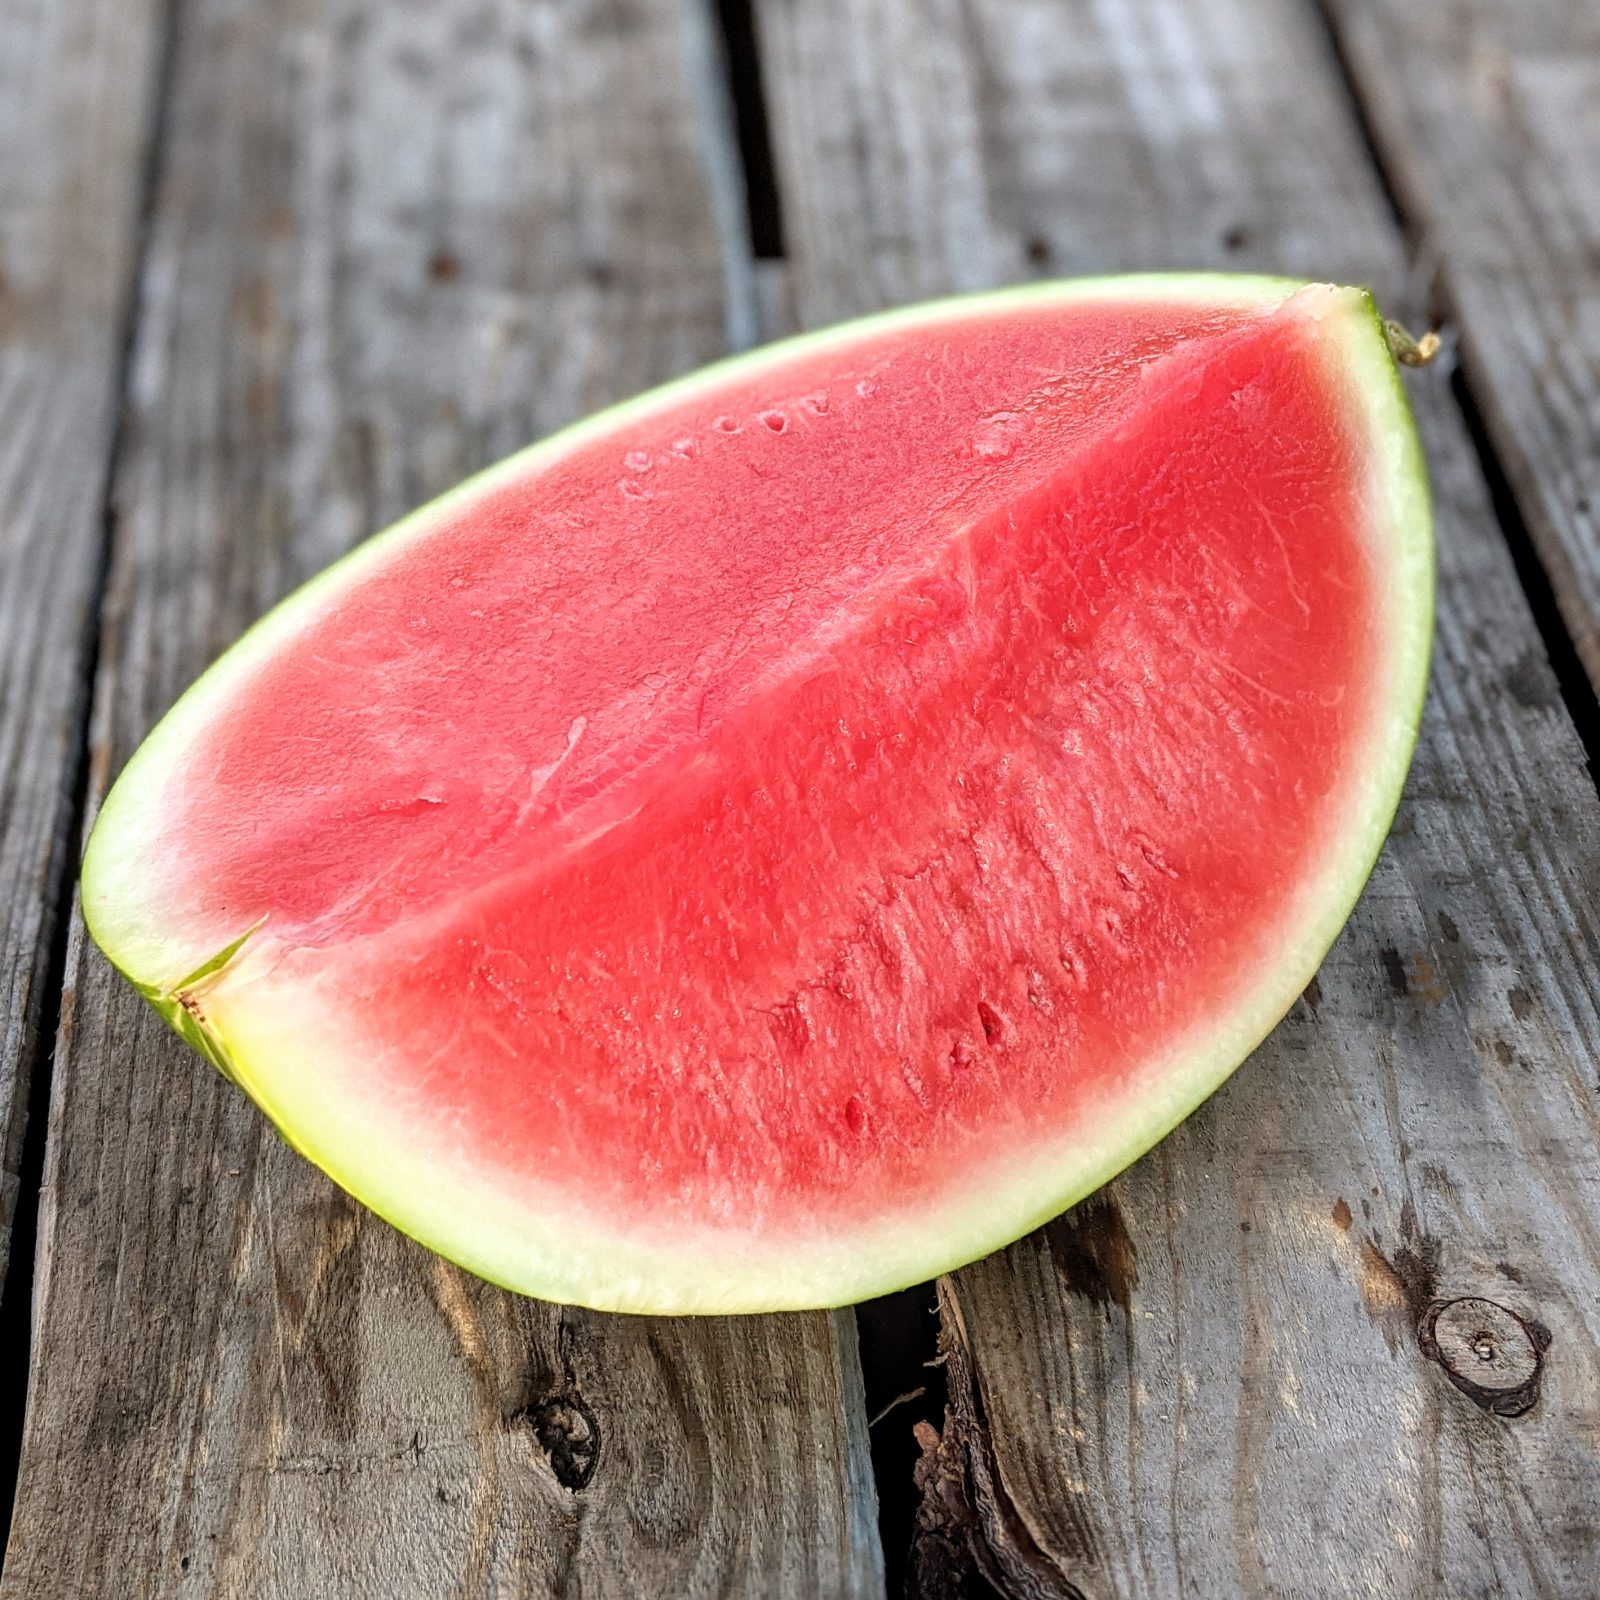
column 571, row 1256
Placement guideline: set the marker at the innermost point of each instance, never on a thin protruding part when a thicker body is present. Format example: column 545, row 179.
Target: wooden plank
column 74, row 109
column 1487, row 117
column 389, row 244
column 1209, row 1379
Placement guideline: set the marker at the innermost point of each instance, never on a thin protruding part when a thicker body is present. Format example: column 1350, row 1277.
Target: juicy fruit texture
column 791, row 834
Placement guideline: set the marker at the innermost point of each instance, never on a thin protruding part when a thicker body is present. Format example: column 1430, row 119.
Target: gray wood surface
column 389, row 243
column 1339, row 1335
column 1487, row 116
column 75, row 82
column 1209, row 1379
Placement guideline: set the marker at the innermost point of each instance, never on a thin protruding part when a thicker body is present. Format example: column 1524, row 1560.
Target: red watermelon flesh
column 794, row 832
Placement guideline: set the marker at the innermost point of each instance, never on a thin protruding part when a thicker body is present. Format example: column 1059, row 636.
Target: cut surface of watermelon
column 794, row 832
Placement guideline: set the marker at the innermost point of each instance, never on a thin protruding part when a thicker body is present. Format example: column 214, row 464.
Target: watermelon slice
column 794, row 832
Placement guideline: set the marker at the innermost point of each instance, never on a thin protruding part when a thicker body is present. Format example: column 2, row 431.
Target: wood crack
column 1579, row 691
column 971, row 1539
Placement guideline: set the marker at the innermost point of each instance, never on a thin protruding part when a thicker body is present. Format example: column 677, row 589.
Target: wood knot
column 569, row 1435
column 1493, row 1356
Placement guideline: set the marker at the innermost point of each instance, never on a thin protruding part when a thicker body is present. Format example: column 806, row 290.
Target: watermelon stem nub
column 1406, row 348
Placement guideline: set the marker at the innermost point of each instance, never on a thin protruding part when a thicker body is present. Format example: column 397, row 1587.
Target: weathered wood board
column 388, row 244
column 1209, row 1379
column 1486, row 114
column 1339, row 1335
column 75, row 95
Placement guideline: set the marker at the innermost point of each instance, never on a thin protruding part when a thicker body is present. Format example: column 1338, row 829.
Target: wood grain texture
column 389, row 243
column 1208, row 1379
column 1487, row 117
column 75, row 98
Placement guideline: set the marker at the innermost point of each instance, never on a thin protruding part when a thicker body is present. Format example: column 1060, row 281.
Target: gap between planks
column 1432, row 291
column 16, row 1298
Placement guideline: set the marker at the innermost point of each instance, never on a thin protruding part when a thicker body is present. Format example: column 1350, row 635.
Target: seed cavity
column 1073, row 965
column 993, row 1025
column 855, row 1116
column 1153, row 858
